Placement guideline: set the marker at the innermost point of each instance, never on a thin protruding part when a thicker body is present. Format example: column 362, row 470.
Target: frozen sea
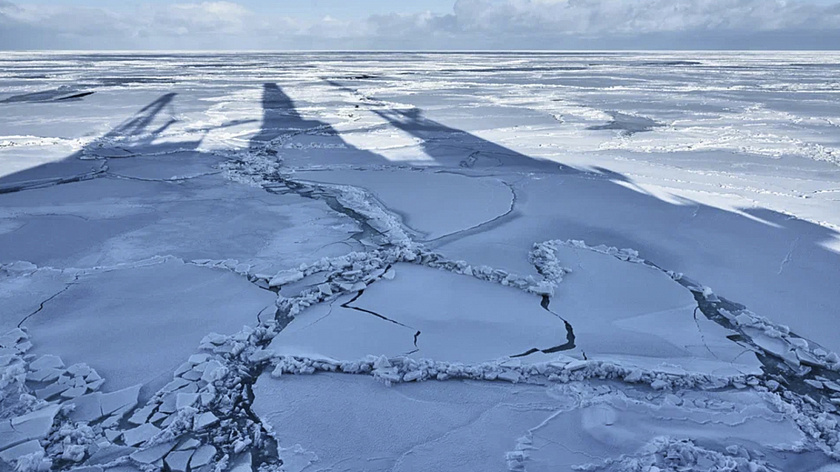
column 419, row 261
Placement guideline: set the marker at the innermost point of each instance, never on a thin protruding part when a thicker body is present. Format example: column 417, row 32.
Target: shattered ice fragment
column 13, row 337
column 168, row 405
column 287, row 277
column 814, row 383
column 204, row 420
column 37, row 423
column 832, row 385
column 189, row 444
column 48, row 374
column 213, row 371
column 50, row 391
column 214, row 338
column 184, row 400
column 95, row 384
column 799, row 342
column 74, row 392
column 542, row 289
column 127, row 397
column 46, row 362
column 659, row 384
column 87, row 408
column 109, row 453
column 158, row 416
column 176, row 384
column 325, row 289
column 261, row 355
column 152, row 454
column 412, row 376
column 73, row 453
column 240, row 445
column 576, row 365
column 192, row 375
column 178, row 460
column 196, row 359
column 510, row 376
column 744, row 320
column 140, row 434
column 382, row 362
column 16, row 452
column 116, row 416
column 82, row 370
column 202, row 456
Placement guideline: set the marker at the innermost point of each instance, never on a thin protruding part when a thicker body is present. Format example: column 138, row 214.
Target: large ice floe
column 403, row 262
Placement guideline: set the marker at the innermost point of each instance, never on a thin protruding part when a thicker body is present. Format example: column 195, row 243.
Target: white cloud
column 472, row 24
column 608, row 17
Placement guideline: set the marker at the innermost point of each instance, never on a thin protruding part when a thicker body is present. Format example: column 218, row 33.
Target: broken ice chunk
column 176, row 384
column 814, row 383
column 152, row 454
column 87, row 408
column 108, row 453
column 50, row 391
column 202, row 456
column 189, row 444
column 74, row 392
column 184, row 400
column 13, row 337
column 47, row 362
column 204, row 420
column 178, row 460
column 79, row 370
column 168, row 405
column 47, row 374
column 140, row 434
column 15, row 452
column 73, row 453
column 325, row 289
column 286, row 277
column 37, row 423
column 196, row 359
column 127, row 397
column 213, row 371
column 158, row 416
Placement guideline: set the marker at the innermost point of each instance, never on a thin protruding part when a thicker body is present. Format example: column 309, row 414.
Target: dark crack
column 370, row 312
column 570, row 334
column 43, row 303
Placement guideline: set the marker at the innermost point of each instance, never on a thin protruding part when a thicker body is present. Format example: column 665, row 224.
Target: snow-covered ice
column 466, row 261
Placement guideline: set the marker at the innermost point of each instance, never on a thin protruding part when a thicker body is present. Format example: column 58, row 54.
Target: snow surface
column 303, row 262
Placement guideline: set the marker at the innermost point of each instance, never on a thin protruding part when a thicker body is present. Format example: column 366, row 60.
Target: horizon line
column 445, row 51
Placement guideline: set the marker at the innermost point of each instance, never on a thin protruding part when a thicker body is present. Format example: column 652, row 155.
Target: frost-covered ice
column 308, row 262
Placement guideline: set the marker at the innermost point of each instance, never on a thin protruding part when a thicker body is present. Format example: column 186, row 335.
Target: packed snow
column 382, row 261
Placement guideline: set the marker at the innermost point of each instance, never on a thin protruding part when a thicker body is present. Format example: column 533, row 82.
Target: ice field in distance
column 419, row 261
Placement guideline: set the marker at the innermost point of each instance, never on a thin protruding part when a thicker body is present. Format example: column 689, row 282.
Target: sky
column 418, row 24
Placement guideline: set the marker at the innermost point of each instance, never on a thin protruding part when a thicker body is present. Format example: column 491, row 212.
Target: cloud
column 620, row 17
column 472, row 24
